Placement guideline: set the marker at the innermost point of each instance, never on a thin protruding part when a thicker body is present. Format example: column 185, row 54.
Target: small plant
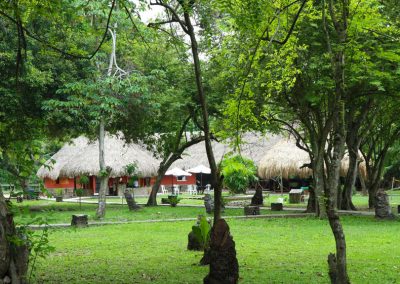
column 83, row 180
column 173, row 200
column 202, row 232
column 59, row 192
column 79, row 193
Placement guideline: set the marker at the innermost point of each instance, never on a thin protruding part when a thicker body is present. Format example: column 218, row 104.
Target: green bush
column 59, row 191
column 238, row 173
column 173, row 200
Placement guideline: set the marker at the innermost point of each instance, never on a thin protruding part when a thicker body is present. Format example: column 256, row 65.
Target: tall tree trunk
column 362, row 182
column 372, row 190
column 311, row 204
column 216, row 181
column 103, row 175
column 13, row 255
column 152, row 201
column 338, row 262
column 319, row 182
column 346, row 202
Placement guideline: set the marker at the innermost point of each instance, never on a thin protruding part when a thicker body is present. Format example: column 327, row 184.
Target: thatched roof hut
column 253, row 147
column 81, row 157
column 286, row 159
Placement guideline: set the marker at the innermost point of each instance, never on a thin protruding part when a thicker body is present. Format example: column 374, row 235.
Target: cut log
column 251, row 210
column 276, row 206
column 79, row 220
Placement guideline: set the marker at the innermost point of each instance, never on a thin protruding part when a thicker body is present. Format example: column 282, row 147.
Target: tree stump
column 19, row 199
column 209, row 203
column 59, row 198
column 224, row 267
column 131, row 201
column 382, row 206
column 294, row 198
column 79, row 220
column 276, row 206
column 251, row 210
column 257, row 199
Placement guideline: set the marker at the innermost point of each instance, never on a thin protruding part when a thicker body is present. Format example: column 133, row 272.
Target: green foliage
column 202, row 231
column 131, row 169
column 238, row 173
column 59, row 191
column 83, row 180
column 173, row 200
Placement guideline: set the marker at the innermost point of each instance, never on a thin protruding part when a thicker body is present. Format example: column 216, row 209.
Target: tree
column 181, row 13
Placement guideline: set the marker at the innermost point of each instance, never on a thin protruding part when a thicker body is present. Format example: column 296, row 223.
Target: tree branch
column 46, row 43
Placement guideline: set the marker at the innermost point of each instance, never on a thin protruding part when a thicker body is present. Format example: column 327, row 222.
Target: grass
column 268, row 251
column 60, row 212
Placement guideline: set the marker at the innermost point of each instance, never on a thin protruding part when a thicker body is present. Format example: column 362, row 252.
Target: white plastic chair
column 176, row 189
column 190, row 189
column 208, row 188
column 194, row 190
column 164, row 190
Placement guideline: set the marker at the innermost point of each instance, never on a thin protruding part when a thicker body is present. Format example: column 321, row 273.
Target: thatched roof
column 254, row 147
column 286, row 159
column 81, row 157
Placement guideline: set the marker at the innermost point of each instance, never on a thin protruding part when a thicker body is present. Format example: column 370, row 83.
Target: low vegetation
column 268, row 250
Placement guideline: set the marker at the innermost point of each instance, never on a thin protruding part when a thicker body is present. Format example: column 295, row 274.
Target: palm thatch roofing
column 253, row 147
column 81, row 157
column 287, row 160
column 275, row 156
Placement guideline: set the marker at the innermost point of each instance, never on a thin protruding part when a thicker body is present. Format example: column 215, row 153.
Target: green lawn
column 268, row 250
column 60, row 212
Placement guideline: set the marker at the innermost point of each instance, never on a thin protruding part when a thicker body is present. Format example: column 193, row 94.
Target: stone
column 276, row 206
column 382, row 206
column 251, row 210
column 257, row 199
column 6, row 280
column 209, row 203
column 131, row 201
column 224, row 267
column 79, row 220
column 59, row 198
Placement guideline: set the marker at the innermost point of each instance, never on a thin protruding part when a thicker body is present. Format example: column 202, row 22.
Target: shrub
column 173, row 200
column 238, row 173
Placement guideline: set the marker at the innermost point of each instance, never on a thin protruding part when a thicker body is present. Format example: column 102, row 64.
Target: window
column 181, row 178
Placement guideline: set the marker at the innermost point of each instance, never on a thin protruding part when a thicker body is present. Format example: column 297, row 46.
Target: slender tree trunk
column 101, row 208
column 311, row 204
column 216, row 181
column 13, row 255
column 347, row 203
column 318, row 172
column 372, row 190
column 362, row 182
column 152, row 201
column 338, row 262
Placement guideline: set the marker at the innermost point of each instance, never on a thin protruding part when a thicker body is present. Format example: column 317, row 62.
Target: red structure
column 68, row 183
